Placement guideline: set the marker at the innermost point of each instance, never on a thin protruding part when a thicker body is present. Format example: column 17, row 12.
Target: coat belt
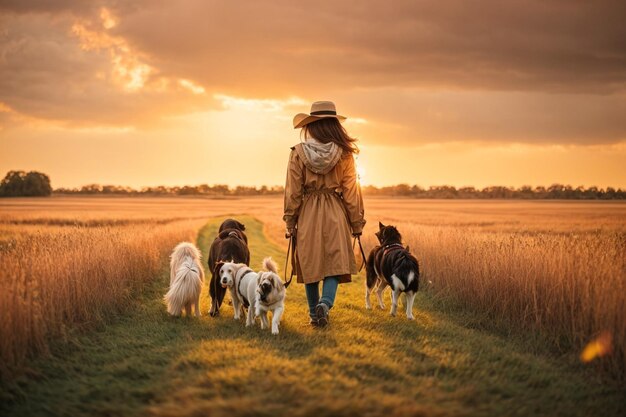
column 318, row 191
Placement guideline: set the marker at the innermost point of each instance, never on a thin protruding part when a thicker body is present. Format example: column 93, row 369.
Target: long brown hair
column 329, row 129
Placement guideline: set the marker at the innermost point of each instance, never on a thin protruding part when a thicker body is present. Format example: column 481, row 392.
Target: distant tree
column 525, row 191
column 204, row 189
column 220, row 189
column 443, row 191
column 497, row 192
column 556, row 191
column 402, row 189
column 90, row 189
column 188, row 190
column 610, row 193
column 467, row 192
column 22, row 184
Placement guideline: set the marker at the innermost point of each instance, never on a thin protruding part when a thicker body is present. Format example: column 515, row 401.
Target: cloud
column 412, row 117
column 255, row 48
column 418, row 72
column 73, row 71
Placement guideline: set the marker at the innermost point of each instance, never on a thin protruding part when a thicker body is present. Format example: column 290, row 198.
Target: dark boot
column 321, row 312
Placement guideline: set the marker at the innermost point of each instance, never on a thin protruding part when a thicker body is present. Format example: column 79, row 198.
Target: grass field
column 367, row 363
column 473, row 349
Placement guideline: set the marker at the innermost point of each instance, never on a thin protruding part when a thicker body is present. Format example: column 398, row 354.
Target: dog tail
column 408, row 267
column 270, row 265
column 185, row 249
column 185, row 287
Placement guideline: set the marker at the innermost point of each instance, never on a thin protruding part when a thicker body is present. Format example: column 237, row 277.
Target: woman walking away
column 323, row 206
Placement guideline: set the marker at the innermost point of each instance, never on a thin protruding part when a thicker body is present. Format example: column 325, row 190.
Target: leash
column 291, row 249
column 358, row 238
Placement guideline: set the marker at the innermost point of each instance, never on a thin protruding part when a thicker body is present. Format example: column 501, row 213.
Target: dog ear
column 408, row 250
column 380, row 226
column 242, row 227
column 217, row 267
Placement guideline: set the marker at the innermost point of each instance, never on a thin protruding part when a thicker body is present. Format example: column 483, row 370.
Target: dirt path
column 366, row 363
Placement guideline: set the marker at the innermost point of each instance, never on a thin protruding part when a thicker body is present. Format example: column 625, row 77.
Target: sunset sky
column 161, row 92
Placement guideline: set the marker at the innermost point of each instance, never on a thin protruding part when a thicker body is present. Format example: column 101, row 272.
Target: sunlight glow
column 598, row 347
column 230, row 102
column 360, row 171
column 108, row 20
column 127, row 68
column 131, row 73
column 191, row 86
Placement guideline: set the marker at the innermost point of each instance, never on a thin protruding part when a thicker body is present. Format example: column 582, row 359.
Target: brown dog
column 230, row 245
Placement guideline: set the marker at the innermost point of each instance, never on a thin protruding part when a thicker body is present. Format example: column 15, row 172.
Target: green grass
column 366, row 363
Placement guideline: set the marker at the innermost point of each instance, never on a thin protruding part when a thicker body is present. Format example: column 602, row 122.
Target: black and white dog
column 392, row 264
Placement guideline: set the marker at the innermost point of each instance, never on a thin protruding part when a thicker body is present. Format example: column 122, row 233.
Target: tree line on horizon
column 555, row 191
column 23, row 184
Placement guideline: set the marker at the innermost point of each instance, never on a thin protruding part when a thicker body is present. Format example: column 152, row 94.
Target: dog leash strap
column 361, row 249
column 291, row 249
column 287, row 258
column 294, row 249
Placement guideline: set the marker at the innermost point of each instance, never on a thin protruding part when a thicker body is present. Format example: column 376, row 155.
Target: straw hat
column 319, row 110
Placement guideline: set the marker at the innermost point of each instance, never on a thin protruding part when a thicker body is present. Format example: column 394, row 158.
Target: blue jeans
column 329, row 291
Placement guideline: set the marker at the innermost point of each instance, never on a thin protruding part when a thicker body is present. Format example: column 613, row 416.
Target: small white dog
column 241, row 281
column 260, row 291
column 270, row 295
column 186, row 278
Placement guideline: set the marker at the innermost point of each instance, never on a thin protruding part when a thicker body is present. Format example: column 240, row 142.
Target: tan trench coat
column 326, row 209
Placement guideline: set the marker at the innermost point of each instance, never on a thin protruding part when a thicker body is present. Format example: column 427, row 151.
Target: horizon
column 272, row 186
column 437, row 94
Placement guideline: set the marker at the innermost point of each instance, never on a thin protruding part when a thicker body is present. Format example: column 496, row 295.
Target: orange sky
column 463, row 93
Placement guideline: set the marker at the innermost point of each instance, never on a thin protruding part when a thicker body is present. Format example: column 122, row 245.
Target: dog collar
column 392, row 246
column 270, row 304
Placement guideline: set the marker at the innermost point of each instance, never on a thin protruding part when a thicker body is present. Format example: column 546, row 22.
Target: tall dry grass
column 54, row 278
column 567, row 287
column 551, row 268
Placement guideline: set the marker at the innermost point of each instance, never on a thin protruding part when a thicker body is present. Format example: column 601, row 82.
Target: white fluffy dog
column 260, row 292
column 270, row 295
column 186, row 278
